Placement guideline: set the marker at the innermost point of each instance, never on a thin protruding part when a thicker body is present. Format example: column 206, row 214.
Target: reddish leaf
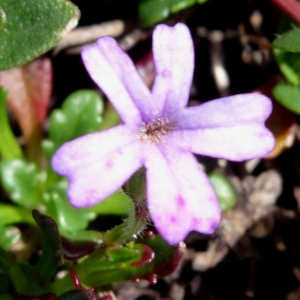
column 29, row 91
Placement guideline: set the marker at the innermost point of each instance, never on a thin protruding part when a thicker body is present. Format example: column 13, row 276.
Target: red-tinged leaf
column 146, row 69
column 29, row 91
column 48, row 296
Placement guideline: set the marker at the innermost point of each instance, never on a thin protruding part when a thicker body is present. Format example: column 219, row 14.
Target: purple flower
column 161, row 133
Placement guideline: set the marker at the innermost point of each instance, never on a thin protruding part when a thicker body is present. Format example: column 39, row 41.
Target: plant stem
column 290, row 7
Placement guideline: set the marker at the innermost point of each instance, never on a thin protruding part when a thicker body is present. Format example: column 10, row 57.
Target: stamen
column 155, row 131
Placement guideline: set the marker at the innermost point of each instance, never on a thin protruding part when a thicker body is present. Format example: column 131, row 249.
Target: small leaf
column 116, row 204
column 32, row 28
column 74, row 250
column 224, row 190
column 9, row 147
column 9, row 236
column 152, row 12
column 52, row 255
column 11, row 215
column 29, row 99
column 22, row 181
column 79, row 115
column 289, row 41
column 288, row 95
column 289, row 64
column 68, row 218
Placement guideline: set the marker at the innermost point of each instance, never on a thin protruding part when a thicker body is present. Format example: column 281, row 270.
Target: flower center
column 154, row 132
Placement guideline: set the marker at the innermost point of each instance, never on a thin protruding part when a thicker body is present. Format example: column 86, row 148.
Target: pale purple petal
column 237, row 143
column 82, row 151
column 180, row 196
column 229, row 111
column 108, row 78
column 173, row 52
column 100, row 178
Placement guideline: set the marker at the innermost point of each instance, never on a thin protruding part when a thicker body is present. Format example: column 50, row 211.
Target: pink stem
column 290, row 7
column 75, row 279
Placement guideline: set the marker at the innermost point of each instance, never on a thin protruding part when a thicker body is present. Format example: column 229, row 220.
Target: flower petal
column 237, row 143
column 100, row 178
column 228, row 111
column 173, row 52
column 113, row 72
column 180, row 196
column 97, row 164
column 81, row 151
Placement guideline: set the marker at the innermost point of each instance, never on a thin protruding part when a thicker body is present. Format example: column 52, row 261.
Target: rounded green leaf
column 33, row 27
column 288, row 95
column 22, row 181
column 68, row 218
column 289, row 41
column 224, row 190
column 80, row 114
column 8, row 236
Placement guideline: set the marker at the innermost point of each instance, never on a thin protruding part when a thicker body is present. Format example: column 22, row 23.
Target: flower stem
column 138, row 217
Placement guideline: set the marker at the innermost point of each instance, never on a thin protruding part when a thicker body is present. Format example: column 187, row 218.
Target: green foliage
column 80, row 114
column 31, row 27
column 2, row 19
column 21, row 275
column 22, row 181
column 224, row 190
column 289, row 41
column 152, row 12
column 52, row 255
column 288, row 95
column 289, row 64
column 68, row 218
column 9, row 235
column 10, row 214
column 9, row 147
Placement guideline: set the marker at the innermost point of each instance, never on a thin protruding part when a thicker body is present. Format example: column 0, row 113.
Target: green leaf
column 9, row 236
column 2, row 20
column 9, row 147
column 79, row 115
column 224, row 190
column 32, row 28
column 68, row 218
column 152, row 12
column 289, row 64
column 22, row 276
column 52, row 255
column 288, row 95
column 11, row 214
column 289, row 41
column 116, row 204
column 22, row 181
